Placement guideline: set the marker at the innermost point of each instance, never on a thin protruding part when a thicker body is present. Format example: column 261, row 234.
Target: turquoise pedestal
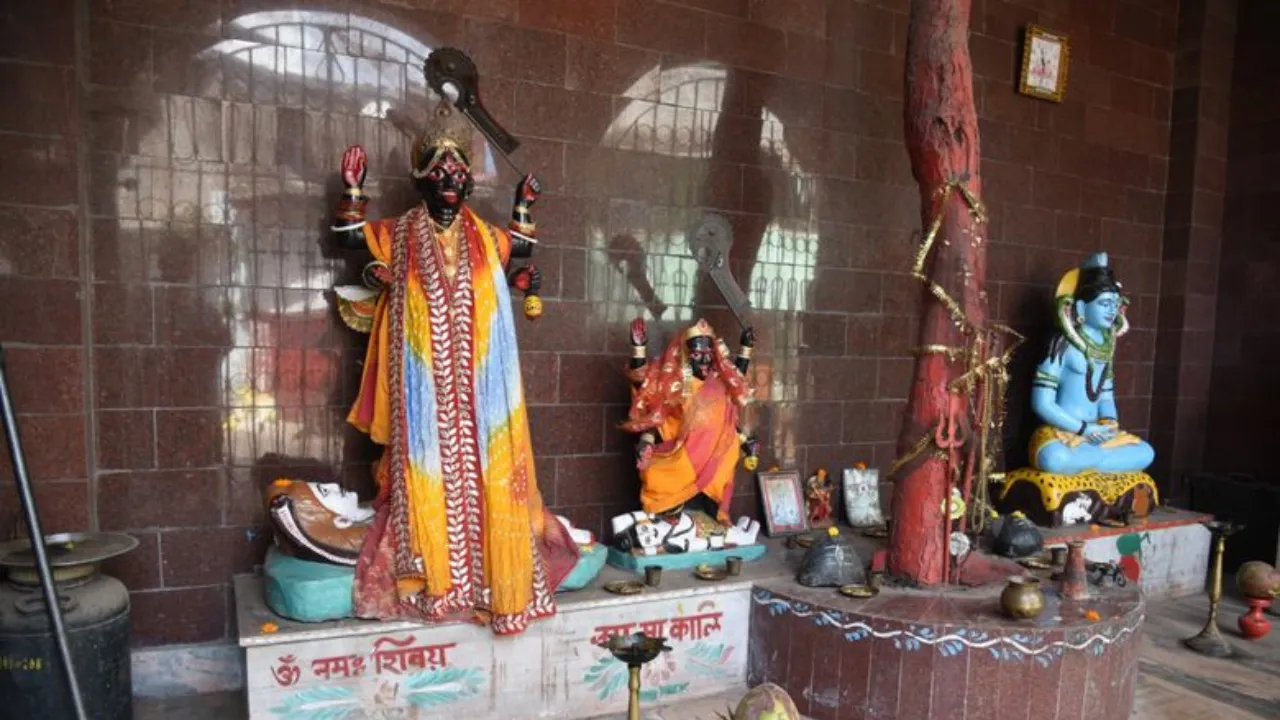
column 589, row 565
column 307, row 591
column 678, row 561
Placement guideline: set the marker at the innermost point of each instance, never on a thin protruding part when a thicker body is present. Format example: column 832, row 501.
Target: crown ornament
column 446, row 130
column 699, row 329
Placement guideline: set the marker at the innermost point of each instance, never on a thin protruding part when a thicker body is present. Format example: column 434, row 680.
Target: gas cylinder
column 95, row 612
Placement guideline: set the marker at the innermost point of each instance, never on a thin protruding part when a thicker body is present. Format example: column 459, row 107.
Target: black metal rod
column 18, row 460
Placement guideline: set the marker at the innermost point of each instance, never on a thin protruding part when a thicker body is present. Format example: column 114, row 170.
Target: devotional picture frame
column 784, row 508
column 1045, row 56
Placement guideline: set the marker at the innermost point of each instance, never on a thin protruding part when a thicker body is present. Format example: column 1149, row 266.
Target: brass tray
column 624, row 587
column 708, row 572
column 1035, row 563
column 879, row 531
column 859, row 592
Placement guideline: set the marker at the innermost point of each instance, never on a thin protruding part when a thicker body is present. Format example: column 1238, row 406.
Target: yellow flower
column 1018, row 514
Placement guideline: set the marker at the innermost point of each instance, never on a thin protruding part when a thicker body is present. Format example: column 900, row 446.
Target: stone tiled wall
column 1202, row 100
column 1241, row 419
column 170, row 168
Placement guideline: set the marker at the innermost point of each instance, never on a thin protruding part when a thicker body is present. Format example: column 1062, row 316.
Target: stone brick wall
column 1241, row 417
column 170, row 168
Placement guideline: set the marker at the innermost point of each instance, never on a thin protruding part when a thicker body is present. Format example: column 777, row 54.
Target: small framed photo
column 784, row 506
column 1044, row 64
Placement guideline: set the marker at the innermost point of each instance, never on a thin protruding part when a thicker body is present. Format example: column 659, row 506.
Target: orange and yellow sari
column 460, row 527
column 698, row 424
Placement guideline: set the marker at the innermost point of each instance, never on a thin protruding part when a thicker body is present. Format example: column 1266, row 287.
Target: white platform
column 553, row 670
column 1172, row 550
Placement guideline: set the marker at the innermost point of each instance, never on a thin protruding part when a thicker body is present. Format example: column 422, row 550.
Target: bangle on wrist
column 746, row 351
column 639, row 351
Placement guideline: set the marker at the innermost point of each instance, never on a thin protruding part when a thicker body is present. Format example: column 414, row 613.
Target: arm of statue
column 639, row 351
column 748, row 341
column 522, row 234
column 522, row 228
column 644, row 448
column 750, row 451
column 349, row 221
column 1044, row 401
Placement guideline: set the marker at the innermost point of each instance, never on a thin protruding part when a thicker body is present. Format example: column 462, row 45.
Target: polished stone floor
column 1175, row 684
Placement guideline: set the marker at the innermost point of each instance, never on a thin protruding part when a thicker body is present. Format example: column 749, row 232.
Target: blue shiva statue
column 1085, row 467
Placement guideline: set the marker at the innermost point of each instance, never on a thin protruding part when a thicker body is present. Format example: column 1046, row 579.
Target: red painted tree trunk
column 942, row 138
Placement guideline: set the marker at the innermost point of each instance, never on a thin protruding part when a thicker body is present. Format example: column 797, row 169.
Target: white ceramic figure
column 646, row 534
column 1079, row 510
column 578, row 535
column 344, row 504
column 862, row 497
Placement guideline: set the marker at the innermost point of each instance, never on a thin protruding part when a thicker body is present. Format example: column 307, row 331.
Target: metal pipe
column 18, row 461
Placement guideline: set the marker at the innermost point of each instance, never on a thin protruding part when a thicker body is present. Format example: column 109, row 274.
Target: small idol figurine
column 685, row 409
column 818, row 490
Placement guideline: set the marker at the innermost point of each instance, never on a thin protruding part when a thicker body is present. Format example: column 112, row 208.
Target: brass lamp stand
column 1209, row 641
column 635, row 650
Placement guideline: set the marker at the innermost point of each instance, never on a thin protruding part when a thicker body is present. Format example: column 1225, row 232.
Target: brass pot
column 1022, row 599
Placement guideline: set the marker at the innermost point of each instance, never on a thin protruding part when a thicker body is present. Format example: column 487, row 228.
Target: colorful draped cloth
column 460, row 527
column 698, row 423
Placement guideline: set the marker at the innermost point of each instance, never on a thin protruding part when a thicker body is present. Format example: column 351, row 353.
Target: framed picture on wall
column 1044, row 64
column 784, row 509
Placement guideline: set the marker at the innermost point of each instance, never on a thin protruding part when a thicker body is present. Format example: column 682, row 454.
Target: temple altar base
column 553, row 669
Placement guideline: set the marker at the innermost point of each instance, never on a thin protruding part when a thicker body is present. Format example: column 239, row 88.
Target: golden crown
column 699, row 329
column 446, row 130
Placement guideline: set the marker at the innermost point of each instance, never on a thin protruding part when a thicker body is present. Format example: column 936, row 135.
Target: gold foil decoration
column 992, row 369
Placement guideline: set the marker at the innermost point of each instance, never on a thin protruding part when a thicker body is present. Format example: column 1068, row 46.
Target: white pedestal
column 1170, row 552
column 458, row 670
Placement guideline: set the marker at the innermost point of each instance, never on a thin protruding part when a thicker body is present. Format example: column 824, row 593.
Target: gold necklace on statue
column 449, row 247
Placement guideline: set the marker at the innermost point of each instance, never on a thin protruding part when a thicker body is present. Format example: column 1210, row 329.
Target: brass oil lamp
column 635, row 650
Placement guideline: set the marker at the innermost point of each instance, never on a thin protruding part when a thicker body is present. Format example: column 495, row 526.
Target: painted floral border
column 1016, row 648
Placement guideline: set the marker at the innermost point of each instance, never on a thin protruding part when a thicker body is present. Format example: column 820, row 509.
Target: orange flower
column 269, row 627
column 1094, row 528
column 1092, row 616
column 860, row 465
